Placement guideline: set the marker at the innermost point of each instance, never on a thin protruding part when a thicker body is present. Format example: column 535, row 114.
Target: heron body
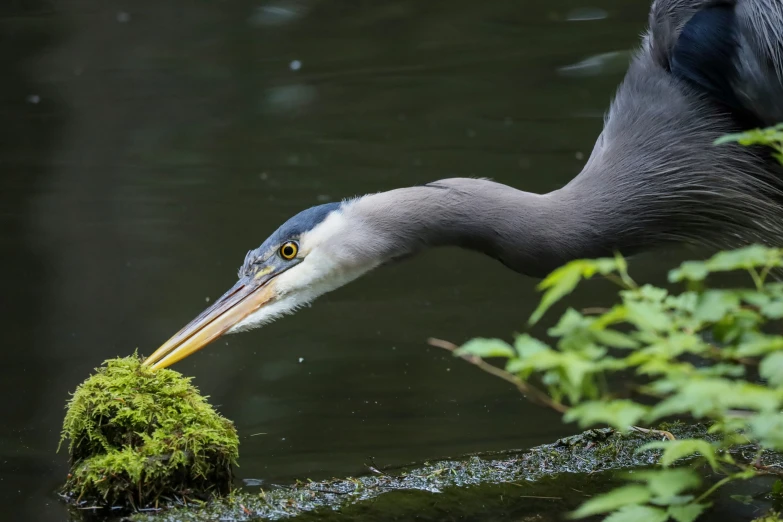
column 704, row 69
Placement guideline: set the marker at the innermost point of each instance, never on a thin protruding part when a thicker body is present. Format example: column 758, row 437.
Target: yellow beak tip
column 235, row 305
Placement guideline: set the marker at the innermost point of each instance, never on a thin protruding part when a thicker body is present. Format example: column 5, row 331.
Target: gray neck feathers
column 654, row 176
column 529, row 233
column 685, row 192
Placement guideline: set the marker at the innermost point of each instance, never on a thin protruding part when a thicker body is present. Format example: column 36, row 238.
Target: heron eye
column 289, row 250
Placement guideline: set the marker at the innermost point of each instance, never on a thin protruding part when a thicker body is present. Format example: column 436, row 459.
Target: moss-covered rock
column 140, row 436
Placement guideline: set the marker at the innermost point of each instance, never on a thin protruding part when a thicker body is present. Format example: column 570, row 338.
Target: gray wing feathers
column 761, row 21
column 759, row 59
column 667, row 17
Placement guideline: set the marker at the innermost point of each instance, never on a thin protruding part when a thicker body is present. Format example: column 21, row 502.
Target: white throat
column 328, row 264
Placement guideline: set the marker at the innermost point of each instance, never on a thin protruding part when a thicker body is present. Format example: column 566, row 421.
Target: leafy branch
column 525, row 388
column 692, row 350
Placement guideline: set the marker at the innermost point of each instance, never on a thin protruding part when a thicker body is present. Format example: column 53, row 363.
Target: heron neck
column 529, row 233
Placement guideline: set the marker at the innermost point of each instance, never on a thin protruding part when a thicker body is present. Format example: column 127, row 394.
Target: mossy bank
column 140, row 438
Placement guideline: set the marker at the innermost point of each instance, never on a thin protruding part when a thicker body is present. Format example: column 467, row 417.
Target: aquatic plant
column 139, row 436
column 704, row 353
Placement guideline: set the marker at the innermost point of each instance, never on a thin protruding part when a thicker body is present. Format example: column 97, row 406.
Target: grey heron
column 704, row 68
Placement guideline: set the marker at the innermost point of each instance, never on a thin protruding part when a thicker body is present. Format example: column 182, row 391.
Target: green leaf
column 611, row 364
column 538, row 361
column 615, row 499
column 752, row 256
column 575, row 369
column 570, row 323
column 607, row 265
column 768, row 429
column 528, row 346
column 770, row 136
column 676, row 449
column 714, row 304
column 519, row 366
column 774, row 289
column 614, row 339
column 531, row 353
column 759, row 345
column 615, row 315
column 771, row 368
column 559, row 283
column 685, row 302
column 688, row 512
column 744, row 258
column 648, row 316
column 665, row 484
column 620, row 414
column 753, row 297
column 722, row 370
column 653, row 293
column 702, row 397
column 486, row 348
column 563, row 280
column 676, row 344
column 690, row 271
column 736, row 326
column 638, row 514
column 773, row 309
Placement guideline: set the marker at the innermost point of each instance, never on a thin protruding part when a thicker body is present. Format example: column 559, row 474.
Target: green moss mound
column 139, row 437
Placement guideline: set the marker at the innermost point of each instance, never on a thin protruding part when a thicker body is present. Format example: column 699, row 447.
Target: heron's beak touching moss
column 244, row 298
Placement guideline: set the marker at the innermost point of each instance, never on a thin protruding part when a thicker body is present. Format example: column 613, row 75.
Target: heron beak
column 244, row 298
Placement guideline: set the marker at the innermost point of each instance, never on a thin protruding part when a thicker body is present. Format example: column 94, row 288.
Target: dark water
column 145, row 146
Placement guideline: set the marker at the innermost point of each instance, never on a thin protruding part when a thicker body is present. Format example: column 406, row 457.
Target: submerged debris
column 554, row 477
column 139, row 437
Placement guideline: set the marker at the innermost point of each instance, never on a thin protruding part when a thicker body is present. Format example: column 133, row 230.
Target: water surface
column 145, row 146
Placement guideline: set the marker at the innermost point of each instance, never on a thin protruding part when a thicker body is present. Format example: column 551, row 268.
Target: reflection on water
column 583, row 14
column 146, row 146
column 599, row 64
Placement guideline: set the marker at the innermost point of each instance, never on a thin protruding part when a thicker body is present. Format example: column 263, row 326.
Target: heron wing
column 759, row 81
column 730, row 50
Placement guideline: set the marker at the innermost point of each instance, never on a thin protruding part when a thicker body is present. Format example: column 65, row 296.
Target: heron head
column 316, row 251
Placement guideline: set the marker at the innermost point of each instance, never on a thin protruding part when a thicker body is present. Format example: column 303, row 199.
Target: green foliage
column 677, row 449
column 690, row 352
column 686, row 512
column 637, row 513
column 562, row 281
column 770, row 137
column 615, row 499
column 487, row 348
column 619, row 413
column 137, row 435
